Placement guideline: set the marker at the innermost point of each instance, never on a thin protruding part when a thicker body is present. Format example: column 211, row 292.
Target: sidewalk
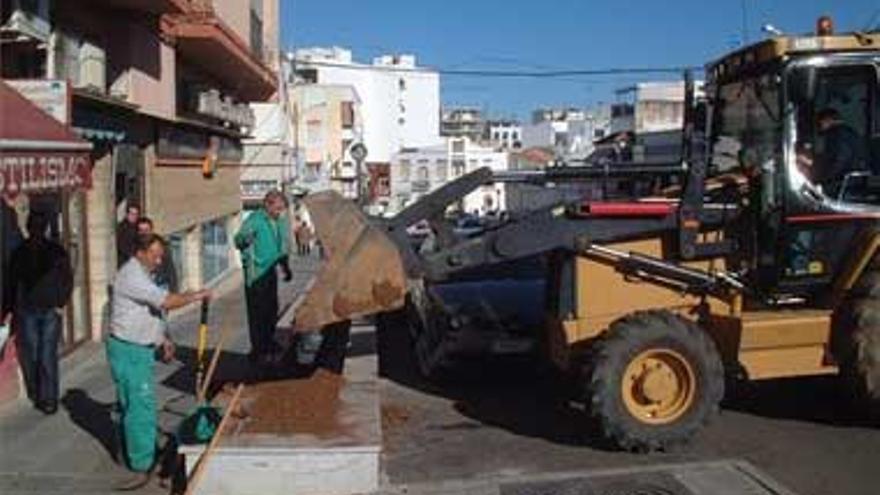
column 75, row 451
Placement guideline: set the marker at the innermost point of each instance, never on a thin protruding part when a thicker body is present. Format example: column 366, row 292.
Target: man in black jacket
column 126, row 234
column 843, row 150
column 41, row 282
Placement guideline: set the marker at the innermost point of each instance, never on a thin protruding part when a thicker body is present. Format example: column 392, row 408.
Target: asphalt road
column 516, row 419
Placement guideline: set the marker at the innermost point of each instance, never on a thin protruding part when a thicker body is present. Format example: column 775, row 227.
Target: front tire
column 655, row 379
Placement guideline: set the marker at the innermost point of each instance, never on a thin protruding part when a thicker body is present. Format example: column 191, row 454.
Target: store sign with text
column 34, row 172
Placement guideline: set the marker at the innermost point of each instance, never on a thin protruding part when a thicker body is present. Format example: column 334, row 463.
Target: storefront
column 193, row 197
column 46, row 167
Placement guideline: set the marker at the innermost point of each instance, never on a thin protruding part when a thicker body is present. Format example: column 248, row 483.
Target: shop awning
column 38, row 153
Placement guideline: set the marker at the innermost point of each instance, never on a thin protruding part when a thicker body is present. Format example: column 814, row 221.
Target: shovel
column 201, row 424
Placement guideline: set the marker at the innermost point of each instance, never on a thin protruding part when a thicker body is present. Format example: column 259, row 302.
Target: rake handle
column 198, row 471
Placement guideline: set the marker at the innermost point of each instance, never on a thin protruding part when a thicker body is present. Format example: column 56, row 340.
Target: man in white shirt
column 137, row 330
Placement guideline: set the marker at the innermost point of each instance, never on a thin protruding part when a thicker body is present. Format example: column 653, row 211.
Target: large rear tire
column 857, row 337
column 654, row 380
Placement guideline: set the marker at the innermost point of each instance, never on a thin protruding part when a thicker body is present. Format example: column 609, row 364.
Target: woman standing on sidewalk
column 137, row 330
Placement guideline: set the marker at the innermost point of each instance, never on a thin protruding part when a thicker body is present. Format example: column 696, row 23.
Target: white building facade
column 504, row 134
column 268, row 161
column 400, row 101
column 328, row 123
column 653, row 112
column 569, row 132
column 418, row 171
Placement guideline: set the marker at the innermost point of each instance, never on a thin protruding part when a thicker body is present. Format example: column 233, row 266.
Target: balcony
column 150, row 6
column 206, row 41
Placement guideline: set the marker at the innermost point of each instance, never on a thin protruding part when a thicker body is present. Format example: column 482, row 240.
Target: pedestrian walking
column 126, row 234
column 137, row 332
column 41, row 284
column 263, row 243
column 307, row 239
column 297, row 234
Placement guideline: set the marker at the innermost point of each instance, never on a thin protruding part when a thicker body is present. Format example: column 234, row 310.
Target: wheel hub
column 658, row 386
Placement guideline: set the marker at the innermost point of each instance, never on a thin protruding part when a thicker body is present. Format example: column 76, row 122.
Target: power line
column 506, row 73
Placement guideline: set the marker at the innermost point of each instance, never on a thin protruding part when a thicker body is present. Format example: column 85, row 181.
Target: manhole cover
column 657, row 483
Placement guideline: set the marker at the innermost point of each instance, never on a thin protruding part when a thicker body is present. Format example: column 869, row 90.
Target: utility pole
column 284, row 101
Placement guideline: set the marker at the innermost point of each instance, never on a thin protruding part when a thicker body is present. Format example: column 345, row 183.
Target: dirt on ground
column 296, row 406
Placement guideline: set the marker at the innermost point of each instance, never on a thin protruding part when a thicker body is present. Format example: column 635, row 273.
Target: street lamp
column 359, row 154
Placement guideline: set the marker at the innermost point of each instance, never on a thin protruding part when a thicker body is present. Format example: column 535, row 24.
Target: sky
column 538, row 35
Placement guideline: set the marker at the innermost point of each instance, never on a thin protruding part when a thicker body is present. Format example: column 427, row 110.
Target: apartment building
column 160, row 90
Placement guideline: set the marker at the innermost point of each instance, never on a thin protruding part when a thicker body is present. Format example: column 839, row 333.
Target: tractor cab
column 799, row 119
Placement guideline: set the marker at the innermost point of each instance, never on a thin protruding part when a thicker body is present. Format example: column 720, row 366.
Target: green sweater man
column 263, row 243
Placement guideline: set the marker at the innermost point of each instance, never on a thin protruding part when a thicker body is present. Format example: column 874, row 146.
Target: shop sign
column 210, row 103
column 50, row 95
column 176, row 143
column 29, row 172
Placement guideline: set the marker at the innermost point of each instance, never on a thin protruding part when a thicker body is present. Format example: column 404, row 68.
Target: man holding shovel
column 137, row 330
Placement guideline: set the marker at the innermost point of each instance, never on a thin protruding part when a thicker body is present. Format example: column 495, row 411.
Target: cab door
column 832, row 180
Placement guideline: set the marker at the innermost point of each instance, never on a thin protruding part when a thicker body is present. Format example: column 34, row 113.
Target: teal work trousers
column 132, row 367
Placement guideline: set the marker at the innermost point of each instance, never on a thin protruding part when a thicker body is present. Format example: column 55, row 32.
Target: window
column 458, row 146
column 214, row 250
column 312, row 172
column 458, row 168
column 383, row 186
column 348, row 189
column 442, row 170
column 834, row 134
column 747, row 125
column 175, row 250
column 256, row 187
column 401, row 84
column 256, row 18
column 346, row 145
column 314, row 133
column 404, row 170
column 347, row 109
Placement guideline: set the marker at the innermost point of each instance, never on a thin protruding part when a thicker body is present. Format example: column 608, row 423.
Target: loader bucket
column 361, row 273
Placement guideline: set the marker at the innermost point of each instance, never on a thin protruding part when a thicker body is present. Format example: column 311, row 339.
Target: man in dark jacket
column 41, row 282
column 126, row 234
column 843, row 151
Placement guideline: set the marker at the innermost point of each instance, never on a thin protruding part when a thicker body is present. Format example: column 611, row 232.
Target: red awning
column 38, row 153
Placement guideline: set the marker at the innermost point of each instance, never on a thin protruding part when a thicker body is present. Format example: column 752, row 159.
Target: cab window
column 835, row 130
